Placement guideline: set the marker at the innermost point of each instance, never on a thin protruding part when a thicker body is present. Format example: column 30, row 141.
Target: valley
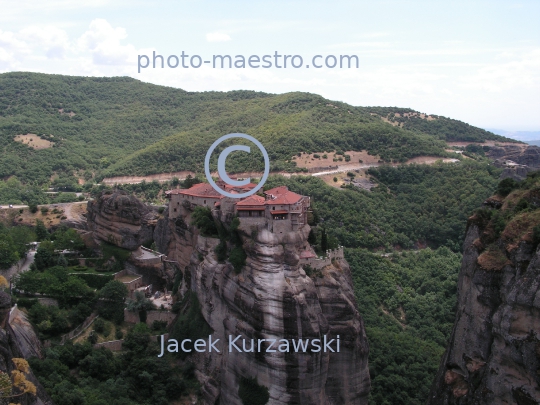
column 391, row 219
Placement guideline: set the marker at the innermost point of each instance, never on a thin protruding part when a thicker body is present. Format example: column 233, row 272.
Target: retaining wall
column 151, row 316
column 116, row 345
column 319, row 263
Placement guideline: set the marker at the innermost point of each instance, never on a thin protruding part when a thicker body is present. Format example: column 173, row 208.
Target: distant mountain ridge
column 96, row 127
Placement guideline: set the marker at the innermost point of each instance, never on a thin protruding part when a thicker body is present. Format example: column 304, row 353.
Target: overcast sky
column 476, row 61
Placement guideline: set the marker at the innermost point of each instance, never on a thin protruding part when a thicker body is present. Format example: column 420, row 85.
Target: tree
column 17, row 382
column 140, row 304
column 506, row 186
column 324, row 241
column 67, row 238
column 251, row 393
column 202, row 219
column 8, row 252
column 312, row 238
column 138, row 338
column 45, row 256
column 114, row 294
column 41, row 230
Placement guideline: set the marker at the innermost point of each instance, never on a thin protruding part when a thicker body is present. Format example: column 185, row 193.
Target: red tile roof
column 206, row 190
column 252, row 200
column 279, row 212
column 282, row 195
column 201, row 190
column 277, row 190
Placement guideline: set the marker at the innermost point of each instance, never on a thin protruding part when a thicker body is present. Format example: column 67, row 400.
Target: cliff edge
column 271, row 297
column 493, row 356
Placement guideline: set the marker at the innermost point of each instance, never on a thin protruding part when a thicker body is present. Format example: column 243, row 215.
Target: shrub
column 26, row 302
column 44, row 210
column 107, row 329
column 92, row 338
column 202, row 219
column 335, row 179
column 251, row 393
column 33, row 208
column 159, row 325
column 506, row 186
column 118, row 334
column 521, row 205
column 238, row 258
column 221, row 251
column 99, row 325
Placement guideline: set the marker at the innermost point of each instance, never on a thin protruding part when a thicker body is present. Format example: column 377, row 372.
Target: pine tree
column 324, row 241
column 41, row 231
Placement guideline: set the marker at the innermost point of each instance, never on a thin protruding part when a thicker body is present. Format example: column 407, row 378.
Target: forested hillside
column 406, row 296
column 90, row 127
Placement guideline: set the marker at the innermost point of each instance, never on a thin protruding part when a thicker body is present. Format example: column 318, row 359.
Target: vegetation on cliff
column 413, row 205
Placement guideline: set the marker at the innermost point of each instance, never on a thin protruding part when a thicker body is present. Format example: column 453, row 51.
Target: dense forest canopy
column 96, row 127
column 99, row 127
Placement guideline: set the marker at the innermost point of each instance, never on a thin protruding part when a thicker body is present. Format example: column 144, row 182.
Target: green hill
column 121, row 126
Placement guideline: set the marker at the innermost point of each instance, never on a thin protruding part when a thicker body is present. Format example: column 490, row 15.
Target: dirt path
column 19, row 267
column 304, row 161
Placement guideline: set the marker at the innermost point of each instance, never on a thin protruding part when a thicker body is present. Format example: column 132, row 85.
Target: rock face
column 526, row 155
column 121, row 219
column 14, row 342
column 273, row 298
column 175, row 238
column 493, row 355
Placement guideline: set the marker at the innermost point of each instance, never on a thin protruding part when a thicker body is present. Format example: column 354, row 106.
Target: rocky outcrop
column 25, row 335
column 493, row 356
column 175, row 238
column 15, row 342
column 525, row 155
column 273, row 298
column 121, row 219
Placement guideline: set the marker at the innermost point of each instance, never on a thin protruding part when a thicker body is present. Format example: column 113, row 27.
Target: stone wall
column 151, row 316
column 48, row 302
column 319, row 263
column 116, row 345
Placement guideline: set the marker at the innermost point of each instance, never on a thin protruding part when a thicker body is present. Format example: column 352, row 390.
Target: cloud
column 54, row 41
column 217, row 37
column 522, row 72
column 103, row 42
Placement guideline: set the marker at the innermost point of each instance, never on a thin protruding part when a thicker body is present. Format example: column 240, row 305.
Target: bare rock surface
column 493, row 355
column 121, row 219
column 273, row 298
column 15, row 341
column 24, row 333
